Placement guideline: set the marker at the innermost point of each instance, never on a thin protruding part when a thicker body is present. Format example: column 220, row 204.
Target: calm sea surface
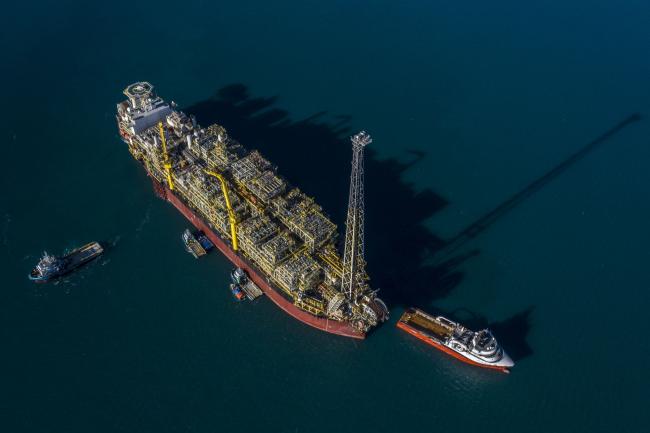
column 475, row 107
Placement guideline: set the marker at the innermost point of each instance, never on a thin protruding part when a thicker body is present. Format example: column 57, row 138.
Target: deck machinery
column 280, row 234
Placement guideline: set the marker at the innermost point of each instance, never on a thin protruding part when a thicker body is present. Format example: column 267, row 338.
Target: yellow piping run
column 167, row 165
column 335, row 266
column 231, row 212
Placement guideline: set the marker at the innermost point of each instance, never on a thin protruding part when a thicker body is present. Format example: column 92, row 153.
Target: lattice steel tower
column 354, row 277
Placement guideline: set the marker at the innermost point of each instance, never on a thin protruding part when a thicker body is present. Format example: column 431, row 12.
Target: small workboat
column 237, row 292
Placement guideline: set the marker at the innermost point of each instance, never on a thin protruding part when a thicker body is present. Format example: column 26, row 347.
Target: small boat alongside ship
column 196, row 243
column 237, row 292
column 242, row 286
column 50, row 267
column 476, row 348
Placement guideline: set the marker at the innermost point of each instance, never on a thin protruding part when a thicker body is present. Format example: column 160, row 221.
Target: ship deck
column 196, row 248
column 263, row 224
column 276, row 295
column 426, row 325
column 83, row 254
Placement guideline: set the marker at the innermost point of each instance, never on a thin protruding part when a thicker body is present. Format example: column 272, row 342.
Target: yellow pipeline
column 333, row 263
column 231, row 213
column 167, row 165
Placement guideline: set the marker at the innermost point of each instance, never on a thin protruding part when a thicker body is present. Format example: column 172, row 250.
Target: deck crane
column 231, row 212
column 166, row 162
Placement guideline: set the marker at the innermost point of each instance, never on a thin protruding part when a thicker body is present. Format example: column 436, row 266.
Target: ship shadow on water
column 488, row 219
column 400, row 249
column 409, row 263
column 512, row 332
column 314, row 154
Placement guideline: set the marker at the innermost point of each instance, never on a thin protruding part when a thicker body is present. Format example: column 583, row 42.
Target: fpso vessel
column 262, row 224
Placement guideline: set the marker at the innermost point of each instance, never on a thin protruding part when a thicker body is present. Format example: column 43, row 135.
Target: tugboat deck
column 197, row 249
column 427, row 324
column 251, row 290
column 193, row 245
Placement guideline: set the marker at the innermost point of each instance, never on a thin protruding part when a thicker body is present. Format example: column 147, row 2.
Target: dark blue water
column 475, row 109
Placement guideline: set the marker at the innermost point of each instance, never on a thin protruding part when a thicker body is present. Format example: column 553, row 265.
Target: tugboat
column 50, row 267
column 476, row 348
column 241, row 280
column 196, row 243
column 237, row 292
column 238, row 276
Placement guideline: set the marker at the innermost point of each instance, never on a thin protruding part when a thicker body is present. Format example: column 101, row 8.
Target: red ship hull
column 445, row 349
column 331, row 326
